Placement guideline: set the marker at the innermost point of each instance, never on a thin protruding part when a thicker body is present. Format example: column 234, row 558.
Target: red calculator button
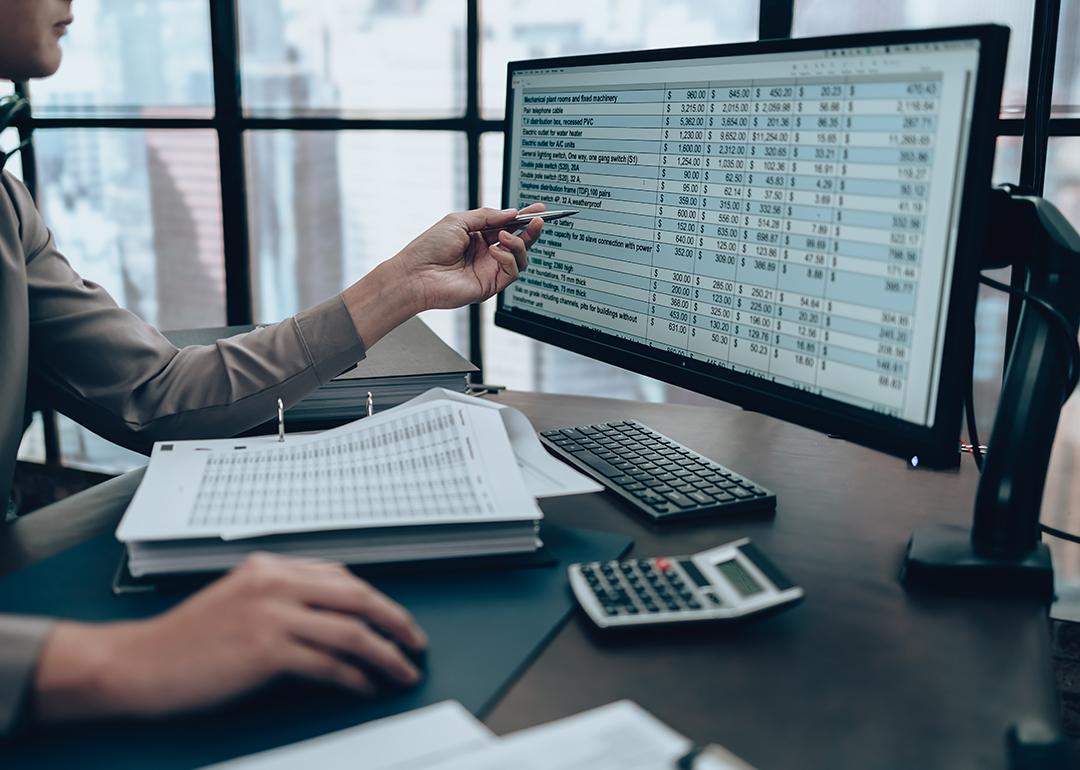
column 662, row 564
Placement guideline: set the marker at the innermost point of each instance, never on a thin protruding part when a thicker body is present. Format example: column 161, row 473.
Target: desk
column 861, row 675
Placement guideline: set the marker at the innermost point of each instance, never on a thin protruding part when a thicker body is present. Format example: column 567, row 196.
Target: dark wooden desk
column 861, row 675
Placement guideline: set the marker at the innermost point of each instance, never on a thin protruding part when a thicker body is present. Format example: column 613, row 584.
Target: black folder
column 408, row 361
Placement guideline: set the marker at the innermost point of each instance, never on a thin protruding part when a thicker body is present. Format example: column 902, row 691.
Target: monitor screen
column 782, row 221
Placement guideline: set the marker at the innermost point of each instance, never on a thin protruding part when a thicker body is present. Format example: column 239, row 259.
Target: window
column 349, row 58
column 837, row 17
column 215, row 161
column 133, row 58
column 568, row 27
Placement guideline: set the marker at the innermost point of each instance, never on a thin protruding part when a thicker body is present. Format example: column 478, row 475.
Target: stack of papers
column 443, row 476
column 406, row 363
column 619, row 736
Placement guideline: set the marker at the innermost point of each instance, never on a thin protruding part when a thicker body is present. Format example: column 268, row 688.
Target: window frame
column 230, row 125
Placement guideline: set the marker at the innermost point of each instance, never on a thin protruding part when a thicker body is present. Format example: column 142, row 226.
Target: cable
column 973, row 432
column 1067, row 328
column 1074, row 376
column 1060, row 533
column 1074, row 361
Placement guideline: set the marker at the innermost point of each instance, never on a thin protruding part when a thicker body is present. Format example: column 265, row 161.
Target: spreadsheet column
column 885, row 163
column 680, row 231
column 722, row 194
column 768, row 178
column 597, row 151
column 810, row 239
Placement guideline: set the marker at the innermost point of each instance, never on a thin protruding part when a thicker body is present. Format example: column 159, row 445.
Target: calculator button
column 693, row 604
column 662, row 564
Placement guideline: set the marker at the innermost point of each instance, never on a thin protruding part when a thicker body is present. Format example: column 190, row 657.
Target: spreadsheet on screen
column 790, row 216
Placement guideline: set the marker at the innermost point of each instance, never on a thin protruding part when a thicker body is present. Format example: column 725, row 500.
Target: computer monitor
column 793, row 226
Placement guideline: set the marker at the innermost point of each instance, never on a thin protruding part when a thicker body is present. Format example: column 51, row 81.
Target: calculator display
column 742, row 580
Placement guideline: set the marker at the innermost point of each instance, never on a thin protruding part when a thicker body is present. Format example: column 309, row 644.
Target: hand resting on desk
column 271, row 616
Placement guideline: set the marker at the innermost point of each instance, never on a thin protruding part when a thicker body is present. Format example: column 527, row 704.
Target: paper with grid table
column 432, row 479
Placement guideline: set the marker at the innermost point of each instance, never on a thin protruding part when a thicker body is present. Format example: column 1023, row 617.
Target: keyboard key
column 680, row 499
column 700, row 497
column 633, row 486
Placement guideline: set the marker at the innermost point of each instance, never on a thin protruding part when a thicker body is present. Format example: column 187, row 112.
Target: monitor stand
column 1002, row 552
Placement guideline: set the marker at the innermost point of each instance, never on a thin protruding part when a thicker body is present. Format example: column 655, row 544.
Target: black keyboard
column 660, row 477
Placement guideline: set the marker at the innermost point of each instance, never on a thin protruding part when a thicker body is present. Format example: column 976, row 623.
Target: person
column 67, row 342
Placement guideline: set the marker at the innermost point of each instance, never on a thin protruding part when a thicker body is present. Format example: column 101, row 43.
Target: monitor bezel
column 935, row 445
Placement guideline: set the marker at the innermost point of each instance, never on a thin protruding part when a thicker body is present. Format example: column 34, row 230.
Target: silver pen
column 523, row 219
column 280, row 421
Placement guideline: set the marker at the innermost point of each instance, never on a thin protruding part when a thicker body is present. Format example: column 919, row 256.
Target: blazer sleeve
column 114, row 373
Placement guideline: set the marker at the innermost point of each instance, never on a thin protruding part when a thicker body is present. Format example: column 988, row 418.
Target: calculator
column 728, row 582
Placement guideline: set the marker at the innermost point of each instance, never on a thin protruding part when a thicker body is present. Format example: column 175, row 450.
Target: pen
column 280, row 421
column 524, row 219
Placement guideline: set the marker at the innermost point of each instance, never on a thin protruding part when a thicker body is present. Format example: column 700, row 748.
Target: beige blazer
column 66, row 343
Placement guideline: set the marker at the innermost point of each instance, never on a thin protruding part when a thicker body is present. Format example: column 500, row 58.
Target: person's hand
column 449, row 265
column 454, row 264
column 271, row 616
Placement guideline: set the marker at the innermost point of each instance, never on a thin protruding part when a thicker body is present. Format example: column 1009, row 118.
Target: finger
column 481, row 219
column 306, row 661
column 516, row 246
column 341, row 591
column 533, row 208
column 532, row 232
column 344, row 634
column 506, row 260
